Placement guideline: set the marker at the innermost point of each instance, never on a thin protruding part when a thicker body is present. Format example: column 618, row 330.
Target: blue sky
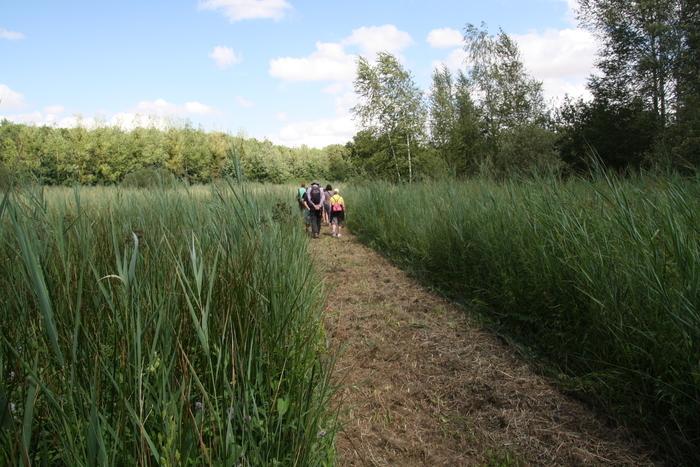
column 276, row 69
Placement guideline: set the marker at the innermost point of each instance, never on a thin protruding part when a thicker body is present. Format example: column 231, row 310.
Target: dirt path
column 422, row 385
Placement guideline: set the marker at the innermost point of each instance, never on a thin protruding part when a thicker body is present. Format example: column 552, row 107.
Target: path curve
column 421, row 384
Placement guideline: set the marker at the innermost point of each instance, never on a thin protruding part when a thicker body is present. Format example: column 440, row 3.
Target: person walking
column 337, row 213
column 315, row 199
column 327, row 193
column 303, row 205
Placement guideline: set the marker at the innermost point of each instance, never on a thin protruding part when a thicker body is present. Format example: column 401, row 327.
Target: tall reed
column 160, row 327
column 601, row 278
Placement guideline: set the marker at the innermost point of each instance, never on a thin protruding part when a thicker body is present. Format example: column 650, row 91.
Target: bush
column 149, row 177
column 5, row 179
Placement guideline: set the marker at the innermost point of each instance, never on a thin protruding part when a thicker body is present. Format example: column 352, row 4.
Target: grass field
column 160, row 327
column 600, row 278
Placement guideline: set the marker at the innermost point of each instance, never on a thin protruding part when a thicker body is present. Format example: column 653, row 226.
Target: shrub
column 149, row 177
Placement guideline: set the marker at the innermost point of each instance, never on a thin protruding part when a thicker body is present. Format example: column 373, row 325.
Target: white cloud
column 197, row 108
column 54, row 109
column 243, row 102
column 455, row 60
column 10, row 99
column 571, row 10
column 328, row 62
column 555, row 89
column 156, row 114
column 318, row 133
column 331, row 62
column 237, row 10
column 10, row 35
column 561, row 59
column 444, row 38
column 224, row 57
column 374, row 39
column 557, row 53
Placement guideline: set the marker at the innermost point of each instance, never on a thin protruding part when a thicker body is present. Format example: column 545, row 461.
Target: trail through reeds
column 422, row 384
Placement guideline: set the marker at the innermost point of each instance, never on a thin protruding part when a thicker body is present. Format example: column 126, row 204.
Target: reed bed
column 160, row 327
column 599, row 278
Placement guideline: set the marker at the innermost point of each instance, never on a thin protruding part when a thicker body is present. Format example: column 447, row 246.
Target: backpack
column 336, row 205
column 315, row 194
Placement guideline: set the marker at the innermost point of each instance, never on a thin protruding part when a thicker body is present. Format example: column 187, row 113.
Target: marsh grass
column 600, row 278
column 160, row 327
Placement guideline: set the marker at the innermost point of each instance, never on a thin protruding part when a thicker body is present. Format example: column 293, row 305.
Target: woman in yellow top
column 337, row 212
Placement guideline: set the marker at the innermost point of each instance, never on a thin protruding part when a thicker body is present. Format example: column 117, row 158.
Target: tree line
column 109, row 155
column 487, row 119
column 491, row 118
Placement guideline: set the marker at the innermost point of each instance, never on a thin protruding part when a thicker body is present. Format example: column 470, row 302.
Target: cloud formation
column 561, row 58
column 224, row 57
column 158, row 113
column 444, row 38
column 10, row 35
column 318, row 133
column 10, row 99
column 374, row 39
column 238, row 10
column 331, row 62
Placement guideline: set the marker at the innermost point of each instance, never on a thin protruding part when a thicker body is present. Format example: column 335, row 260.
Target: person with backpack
column 315, row 198
column 327, row 193
column 303, row 205
column 337, row 212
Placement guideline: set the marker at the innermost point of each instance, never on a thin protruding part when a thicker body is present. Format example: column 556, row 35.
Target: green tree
column 649, row 61
column 391, row 106
column 455, row 126
column 506, row 95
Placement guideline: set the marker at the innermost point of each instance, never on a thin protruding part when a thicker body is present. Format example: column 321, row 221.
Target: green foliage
column 149, row 178
column 391, row 106
column 600, row 278
column 160, row 327
column 6, row 179
column 649, row 87
column 106, row 155
column 508, row 97
column 620, row 135
column 526, row 150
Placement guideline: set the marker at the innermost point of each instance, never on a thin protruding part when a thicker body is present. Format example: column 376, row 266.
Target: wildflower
column 198, row 406
column 321, row 433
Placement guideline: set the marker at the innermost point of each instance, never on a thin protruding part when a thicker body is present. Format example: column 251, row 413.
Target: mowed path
column 423, row 385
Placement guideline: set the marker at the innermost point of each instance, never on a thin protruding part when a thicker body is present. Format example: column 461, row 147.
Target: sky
column 272, row 69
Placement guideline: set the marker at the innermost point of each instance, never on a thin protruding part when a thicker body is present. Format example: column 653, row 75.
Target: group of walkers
column 319, row 205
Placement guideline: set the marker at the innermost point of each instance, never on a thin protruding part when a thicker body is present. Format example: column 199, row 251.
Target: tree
column 639, row 50
column 391, row 105
column 443, row 114
column 455, row 127
column 649, row 63
column 505, row 93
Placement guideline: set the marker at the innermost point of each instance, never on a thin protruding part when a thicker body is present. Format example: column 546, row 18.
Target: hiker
column 337, row 212
column 327, row 193
column 314, row 199
column 303, row 205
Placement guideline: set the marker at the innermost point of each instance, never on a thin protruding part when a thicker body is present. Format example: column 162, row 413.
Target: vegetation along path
column 421, row 384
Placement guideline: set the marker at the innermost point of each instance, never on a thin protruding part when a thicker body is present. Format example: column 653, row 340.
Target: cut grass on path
column 422, row 384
